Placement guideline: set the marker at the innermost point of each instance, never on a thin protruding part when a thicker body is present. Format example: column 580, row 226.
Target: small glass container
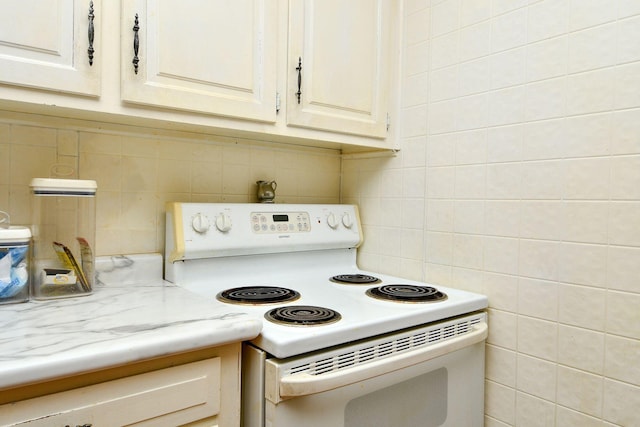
column 64, row 229
column 15, row 243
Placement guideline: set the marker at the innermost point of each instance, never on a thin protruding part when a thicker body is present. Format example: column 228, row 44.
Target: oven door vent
column 380, row 348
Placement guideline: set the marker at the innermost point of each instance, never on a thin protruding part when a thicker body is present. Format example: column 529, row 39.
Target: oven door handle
column 305, row 384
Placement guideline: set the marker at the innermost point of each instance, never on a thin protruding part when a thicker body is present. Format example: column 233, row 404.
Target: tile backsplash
column 138, row 170
column 519, row 177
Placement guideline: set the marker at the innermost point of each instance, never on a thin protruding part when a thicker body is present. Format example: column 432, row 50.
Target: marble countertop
column 121, row 322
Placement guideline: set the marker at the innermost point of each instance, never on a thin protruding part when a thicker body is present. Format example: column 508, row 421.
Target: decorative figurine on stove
column 266, row 191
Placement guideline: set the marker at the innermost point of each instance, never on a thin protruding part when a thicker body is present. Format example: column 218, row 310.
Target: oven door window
column 421, row 401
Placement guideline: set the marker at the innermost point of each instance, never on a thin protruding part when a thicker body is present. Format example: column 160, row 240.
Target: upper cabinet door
column 207, row 56
column 52, row 45
column 339, row 65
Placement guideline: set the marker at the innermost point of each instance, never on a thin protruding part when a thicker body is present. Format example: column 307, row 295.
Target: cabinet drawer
column 171, row 396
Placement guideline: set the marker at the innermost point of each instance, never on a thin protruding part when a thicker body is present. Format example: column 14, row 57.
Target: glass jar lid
column 63, row 187
column 14, row 234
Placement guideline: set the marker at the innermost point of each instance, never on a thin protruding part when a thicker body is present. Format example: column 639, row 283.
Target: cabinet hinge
column 277, row 102
column 388, row 121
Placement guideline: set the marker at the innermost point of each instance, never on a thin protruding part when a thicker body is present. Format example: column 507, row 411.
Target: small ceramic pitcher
column 266, row 191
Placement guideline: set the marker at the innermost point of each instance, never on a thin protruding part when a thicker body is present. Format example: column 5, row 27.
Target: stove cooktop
column 216, row 250
column 361, row 316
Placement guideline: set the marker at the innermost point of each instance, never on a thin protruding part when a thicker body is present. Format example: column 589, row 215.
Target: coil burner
column 355, row 279
column 257, row 295
column 407, row 293
column 302, row 315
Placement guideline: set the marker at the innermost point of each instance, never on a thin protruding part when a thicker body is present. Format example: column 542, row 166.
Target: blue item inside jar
column 13, row 271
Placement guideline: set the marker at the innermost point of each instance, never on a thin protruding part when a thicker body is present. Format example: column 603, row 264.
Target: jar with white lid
column 63, row 229
column 15, row 242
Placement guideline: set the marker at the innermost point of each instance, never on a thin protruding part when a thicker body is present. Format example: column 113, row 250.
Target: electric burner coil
column 407, row 293
column 257, row 295
column 355, row 279
column 302, row 315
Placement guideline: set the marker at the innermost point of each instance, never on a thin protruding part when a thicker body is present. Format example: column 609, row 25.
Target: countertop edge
column 203, row 334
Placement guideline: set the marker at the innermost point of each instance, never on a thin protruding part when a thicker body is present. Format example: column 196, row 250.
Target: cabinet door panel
column 197, row 51
column 171, row 396
column 210, row 56
column 344, row 49
column 45, row 45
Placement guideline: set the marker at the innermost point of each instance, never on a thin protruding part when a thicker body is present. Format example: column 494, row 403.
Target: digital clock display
column 281, row 218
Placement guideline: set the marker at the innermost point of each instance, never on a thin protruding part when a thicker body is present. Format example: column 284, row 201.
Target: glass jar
column 63, row 228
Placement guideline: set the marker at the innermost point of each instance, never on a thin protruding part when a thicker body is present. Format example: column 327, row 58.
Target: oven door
column 401, row 380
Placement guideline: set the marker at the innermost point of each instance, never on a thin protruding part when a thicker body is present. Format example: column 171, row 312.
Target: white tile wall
column 531, row 134
column 533, row 411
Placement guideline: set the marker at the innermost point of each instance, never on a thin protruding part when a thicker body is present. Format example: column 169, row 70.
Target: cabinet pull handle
column 136, row 45
column 299, row 70
column 90, row 51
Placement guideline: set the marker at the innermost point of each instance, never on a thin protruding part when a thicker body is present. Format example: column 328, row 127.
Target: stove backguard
column 201, row 231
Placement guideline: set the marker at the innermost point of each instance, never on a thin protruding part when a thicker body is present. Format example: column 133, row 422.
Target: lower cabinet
column 204, row 392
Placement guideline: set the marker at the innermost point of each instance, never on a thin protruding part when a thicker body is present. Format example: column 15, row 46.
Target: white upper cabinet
column 47, row 44
column 206, row 56
column 225, row 67
column 338, row 65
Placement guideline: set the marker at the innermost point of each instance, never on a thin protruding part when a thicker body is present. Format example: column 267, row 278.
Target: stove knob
column 223, row 222
column 347, row 221
column 332, row 221
column 200, row 223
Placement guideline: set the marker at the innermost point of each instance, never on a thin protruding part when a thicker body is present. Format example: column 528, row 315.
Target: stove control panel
column 206, row 230
column 281, row 222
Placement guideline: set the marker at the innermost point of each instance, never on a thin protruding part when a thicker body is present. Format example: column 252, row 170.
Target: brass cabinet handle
column 91, row 50
column 136, row 45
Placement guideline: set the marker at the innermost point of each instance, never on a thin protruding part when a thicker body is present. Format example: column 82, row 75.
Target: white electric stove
column 295, row 267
